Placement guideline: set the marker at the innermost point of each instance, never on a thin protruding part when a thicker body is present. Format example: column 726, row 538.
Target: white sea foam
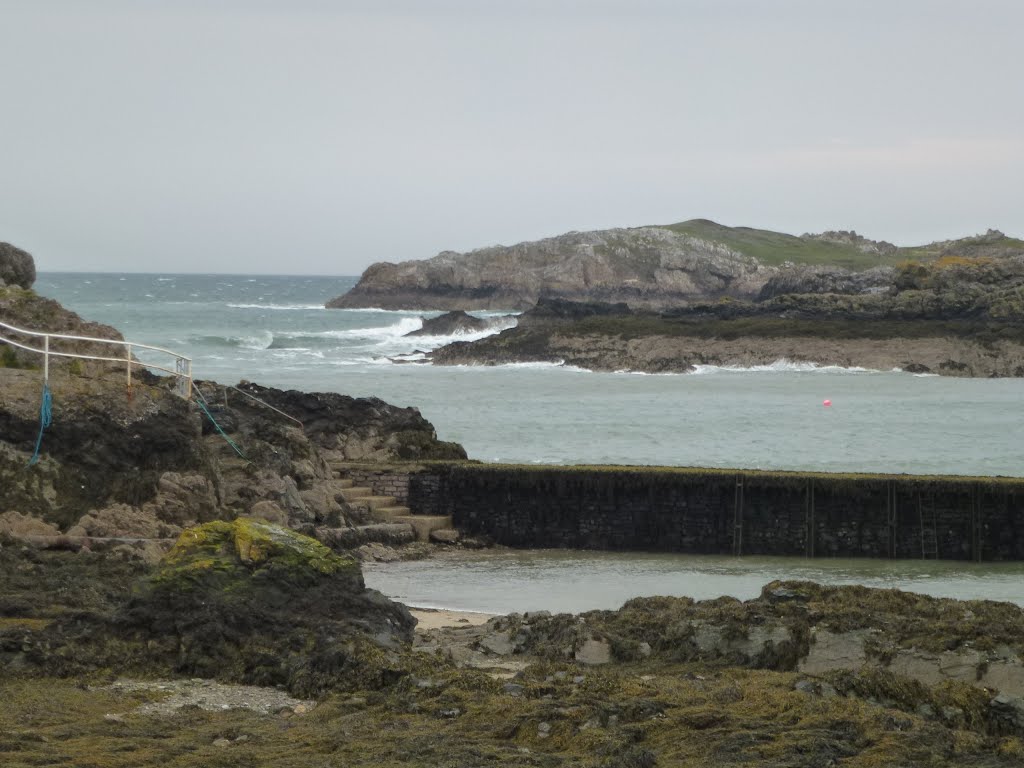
column 276, row 306
column 440, row 341
column 535, row 366
column 262, row 340
column 779, row 366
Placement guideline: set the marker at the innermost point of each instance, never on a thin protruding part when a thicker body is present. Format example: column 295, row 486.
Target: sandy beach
column 435, row 618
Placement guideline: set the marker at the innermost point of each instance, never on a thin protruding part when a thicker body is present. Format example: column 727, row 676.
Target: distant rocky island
column 666, row 299
column 655, row 267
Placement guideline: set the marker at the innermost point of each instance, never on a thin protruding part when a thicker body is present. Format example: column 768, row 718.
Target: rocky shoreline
column 656, row 353
column 170, row 597
column 802, row 675
column 959, row 318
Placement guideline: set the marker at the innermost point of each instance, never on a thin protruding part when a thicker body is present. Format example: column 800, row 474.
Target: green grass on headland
column 774, row 248
column 777, row 247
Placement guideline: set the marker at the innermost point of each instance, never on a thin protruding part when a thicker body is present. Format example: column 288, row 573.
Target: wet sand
column 431, row 618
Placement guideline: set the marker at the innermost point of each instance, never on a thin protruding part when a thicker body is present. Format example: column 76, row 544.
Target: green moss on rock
column 250, row 544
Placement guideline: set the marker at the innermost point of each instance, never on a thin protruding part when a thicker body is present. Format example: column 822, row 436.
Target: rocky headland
column 656, row 267
column 665, row 299
column 952, row 315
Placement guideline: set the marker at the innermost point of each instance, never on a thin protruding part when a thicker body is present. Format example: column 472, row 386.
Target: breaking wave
column 779, row 366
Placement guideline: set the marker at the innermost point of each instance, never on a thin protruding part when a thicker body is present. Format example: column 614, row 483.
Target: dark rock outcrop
column 451, row 323
column 16, row 267
column 242, row 601
column 353, row 428
column 817, row 278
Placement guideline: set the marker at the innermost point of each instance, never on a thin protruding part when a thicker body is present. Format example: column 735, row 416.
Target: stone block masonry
column 712, row 511
column 388, row 480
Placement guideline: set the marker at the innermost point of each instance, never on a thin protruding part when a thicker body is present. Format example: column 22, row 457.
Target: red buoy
column 827, row 403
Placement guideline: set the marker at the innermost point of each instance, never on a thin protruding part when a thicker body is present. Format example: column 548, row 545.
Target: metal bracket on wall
column 809, row 525
column 737, row 518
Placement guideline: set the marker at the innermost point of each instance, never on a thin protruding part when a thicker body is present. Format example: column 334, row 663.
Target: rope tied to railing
column 45, row 420
column 202, row 406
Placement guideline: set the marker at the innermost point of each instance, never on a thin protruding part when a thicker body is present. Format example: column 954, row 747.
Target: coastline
column 943, row 356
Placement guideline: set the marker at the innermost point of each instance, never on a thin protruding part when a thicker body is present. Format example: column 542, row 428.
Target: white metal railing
column 182, row 369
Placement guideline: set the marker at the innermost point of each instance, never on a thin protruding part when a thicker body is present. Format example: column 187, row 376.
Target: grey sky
column 317, row 137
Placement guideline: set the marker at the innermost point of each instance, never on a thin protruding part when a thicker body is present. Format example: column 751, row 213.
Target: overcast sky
column 316, row 136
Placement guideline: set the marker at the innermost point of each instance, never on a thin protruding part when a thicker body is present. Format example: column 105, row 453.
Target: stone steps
column 386, row 509
column 378, row 502
column 389, row 514
column 424, row 524
column 353, row 494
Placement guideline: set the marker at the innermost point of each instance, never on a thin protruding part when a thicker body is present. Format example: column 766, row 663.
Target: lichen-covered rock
column 242, row 601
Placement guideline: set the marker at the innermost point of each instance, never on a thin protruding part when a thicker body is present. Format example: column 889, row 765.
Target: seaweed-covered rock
column 241, row 601
column 265, row 605
column 348, row 428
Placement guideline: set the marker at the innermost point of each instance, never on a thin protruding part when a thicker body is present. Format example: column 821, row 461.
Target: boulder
column 16, row 524
column 269, row 512
column 123, row 521
column 450, row 324
column 261, row 604
column 16, row 267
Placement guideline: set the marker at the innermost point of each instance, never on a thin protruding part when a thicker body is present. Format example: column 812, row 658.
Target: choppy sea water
column 274, row 330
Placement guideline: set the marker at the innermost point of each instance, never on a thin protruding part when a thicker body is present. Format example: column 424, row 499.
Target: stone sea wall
column 704, row 511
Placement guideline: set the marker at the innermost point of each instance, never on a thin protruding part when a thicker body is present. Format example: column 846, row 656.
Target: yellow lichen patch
column 20, row 623
column 252, row 543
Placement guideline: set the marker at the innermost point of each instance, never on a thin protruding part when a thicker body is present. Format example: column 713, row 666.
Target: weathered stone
column 499, row 643
column 594, row 652
column 122, row 520
column 16, row 524
column 444, row 536
column 268, row 511
column 830, row 650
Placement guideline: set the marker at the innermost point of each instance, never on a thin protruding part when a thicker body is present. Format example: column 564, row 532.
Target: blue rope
column 45, row 420
column 217, row 426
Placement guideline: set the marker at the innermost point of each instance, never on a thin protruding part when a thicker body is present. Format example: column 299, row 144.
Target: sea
column 274, row 330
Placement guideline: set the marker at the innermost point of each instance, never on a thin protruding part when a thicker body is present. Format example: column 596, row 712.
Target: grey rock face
column 16, row 266
column 645, row 267
column 863, row 244
column 813, row 278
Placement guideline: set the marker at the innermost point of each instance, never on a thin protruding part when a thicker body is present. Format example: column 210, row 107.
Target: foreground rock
column 663, row 681
column 245, row 602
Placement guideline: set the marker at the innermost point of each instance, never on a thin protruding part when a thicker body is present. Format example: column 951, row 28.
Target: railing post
column 46, row 359
column 128, row 348
column 188, row 382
